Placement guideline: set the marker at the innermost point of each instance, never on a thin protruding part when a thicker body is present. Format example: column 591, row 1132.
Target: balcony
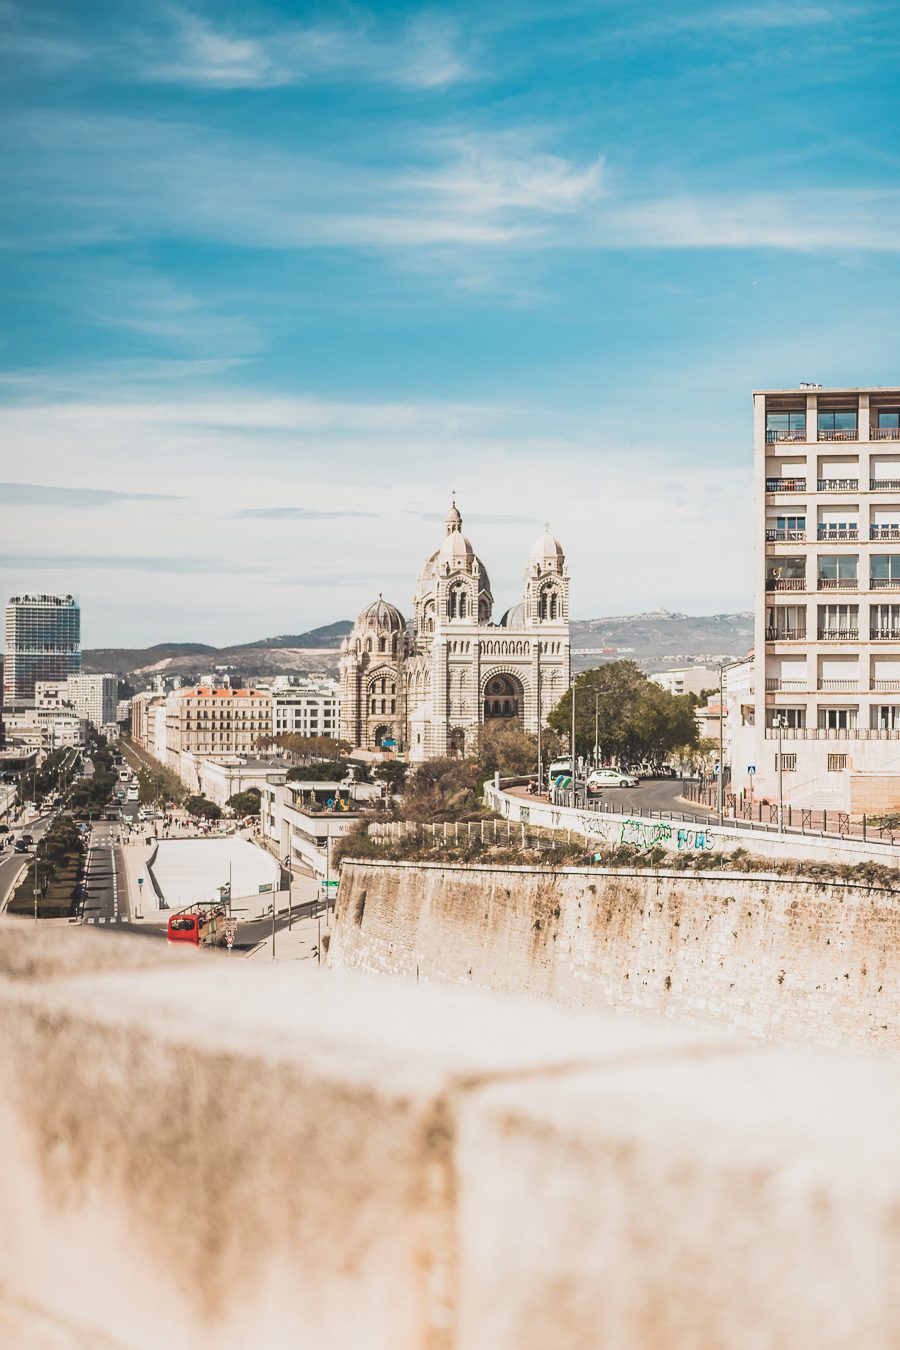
column 785, row 635
column 838, row 686
column 785, row 583
column 785, row 536
column 774, row 683
column 796, row 435
column 885, row 434
column 838, row 484
column 828, row 535
column 785, row 485
column 886, row 686
column 838, row 583
column 839, row 434
column 885, row 532
column 884, row 634
column 884, row 484
column 838, row 634
column 884, row 583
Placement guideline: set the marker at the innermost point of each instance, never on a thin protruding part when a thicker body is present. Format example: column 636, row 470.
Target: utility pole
column 720, row 795
column 35, row 879
column 572, row 747
column 779, row 725
column 596, row 731
column 540, row 723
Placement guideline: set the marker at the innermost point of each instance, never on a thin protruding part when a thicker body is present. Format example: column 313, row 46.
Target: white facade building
column 687, row 679
column 827, row 596
column 308, row 709
column 94, row 697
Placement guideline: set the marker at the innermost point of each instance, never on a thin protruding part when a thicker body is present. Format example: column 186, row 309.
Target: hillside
column 654, row 640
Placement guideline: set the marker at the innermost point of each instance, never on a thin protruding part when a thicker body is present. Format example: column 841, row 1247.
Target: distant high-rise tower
column 42, row 642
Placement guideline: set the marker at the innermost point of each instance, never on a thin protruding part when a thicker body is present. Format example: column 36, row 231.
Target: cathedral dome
column 456, row 553
column 546, row 549
column 382, row 617
column 514, row 616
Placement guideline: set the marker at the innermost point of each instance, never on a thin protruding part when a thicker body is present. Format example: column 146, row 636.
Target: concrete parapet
column 200, row 1153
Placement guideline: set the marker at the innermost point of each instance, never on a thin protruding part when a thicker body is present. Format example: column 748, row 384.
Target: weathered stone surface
column 770, row 956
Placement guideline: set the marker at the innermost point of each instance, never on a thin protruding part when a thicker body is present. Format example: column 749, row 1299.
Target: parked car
column 27, row 840
column 604, row 778
column 20, row 846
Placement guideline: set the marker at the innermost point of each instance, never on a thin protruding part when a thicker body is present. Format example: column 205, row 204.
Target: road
column 12, row 862
column 105, row 888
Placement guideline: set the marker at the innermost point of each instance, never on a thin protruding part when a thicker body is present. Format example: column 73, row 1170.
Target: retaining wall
column 772, row 956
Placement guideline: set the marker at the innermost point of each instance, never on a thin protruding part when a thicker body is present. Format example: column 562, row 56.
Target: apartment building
column 94, row 697
column 827, row 596
column 207, row 721
column 308, row 709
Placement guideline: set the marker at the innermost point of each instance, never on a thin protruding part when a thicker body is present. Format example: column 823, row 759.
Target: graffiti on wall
column 695, row 839
column 594, row 826
column 645, row 834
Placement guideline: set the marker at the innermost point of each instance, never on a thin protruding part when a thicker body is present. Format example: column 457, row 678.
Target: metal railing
column 838, row 634
column 839, row 434
column 838, row 484
column 792, row 436
column 785, row 485
column 785, row 536
column 785, row 635
column 785, row 583
column 884, row 634
column 838, row 583
column 884, row 532
column 837, row 534
column 884, row 583
column 885, row 434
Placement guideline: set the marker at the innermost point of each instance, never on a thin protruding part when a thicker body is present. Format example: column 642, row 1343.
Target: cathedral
column 427, row 688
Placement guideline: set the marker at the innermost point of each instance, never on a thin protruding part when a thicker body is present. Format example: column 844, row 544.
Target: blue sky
column 277, row 278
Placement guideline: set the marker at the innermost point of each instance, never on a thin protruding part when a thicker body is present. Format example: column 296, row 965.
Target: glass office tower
column 42, row 642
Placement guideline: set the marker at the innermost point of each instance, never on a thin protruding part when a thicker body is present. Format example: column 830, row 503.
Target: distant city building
column 206, row 721
column 42, row 641
column 687, row 679
column 827, row 597
column 94, row 697
column 308, row 709
column 429, row 691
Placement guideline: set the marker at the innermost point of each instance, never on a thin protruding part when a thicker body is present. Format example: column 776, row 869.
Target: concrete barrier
column 201, row 1153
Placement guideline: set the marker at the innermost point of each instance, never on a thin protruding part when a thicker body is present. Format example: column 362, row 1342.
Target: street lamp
column 596, row 730
column 778, row 723
column 720, row 793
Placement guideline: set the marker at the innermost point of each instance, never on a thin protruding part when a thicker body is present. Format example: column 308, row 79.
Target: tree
column 311, row 747
column 245, row 803
column 201, row 808
column 321, row 771
column 393, row 774
column 636, row 718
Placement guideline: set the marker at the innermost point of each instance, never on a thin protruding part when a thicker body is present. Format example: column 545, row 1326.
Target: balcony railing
column 838, row 583
column 884, row 484
column 796, row 434
column 884, row 583
column 838, row 634
column 886, row 686
column 785, row 536
column 785, row 635
column 885, row 433
column 838, row 484
column 785, row 583
column 831, row 734
column 884, row 532
column 785, row 485
column 775, row 682
column 839, row 434
column 884, row 634
column 839, row 686
column 837, row 535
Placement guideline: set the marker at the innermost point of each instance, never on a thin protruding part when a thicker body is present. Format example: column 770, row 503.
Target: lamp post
column 287, row 865
column 574, row 794
column 779, row 727
column 720, row 794
column 35, row 878
column 540, row 722
column 596, row 731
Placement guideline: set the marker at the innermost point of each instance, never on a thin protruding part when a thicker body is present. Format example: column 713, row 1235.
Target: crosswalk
column 103, row 918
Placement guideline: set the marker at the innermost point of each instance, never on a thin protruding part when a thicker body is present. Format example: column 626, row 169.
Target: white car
column 603, row 778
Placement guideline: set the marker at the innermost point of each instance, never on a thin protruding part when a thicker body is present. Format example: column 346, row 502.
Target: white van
column 558, row 767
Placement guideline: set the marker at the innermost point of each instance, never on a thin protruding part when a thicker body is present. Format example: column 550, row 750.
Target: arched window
column 368, row 644
column 458, row 603
column 382, row 644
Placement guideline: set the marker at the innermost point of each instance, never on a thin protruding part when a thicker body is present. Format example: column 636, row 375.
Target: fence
column 738, row 808
column 454, row 832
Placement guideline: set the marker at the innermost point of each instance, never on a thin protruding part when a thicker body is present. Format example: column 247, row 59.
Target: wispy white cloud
column 74, row 498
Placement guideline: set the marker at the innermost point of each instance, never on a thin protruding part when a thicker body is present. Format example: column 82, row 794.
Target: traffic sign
column 330, row 883
column 751, row 768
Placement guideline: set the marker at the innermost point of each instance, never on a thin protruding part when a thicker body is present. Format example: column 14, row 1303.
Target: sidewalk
column 300, row 941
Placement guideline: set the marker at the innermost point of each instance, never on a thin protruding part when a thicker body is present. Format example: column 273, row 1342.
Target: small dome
column 456, row 550
column 546, row 549
column 382, row 617
column 514, row 616
column 454, row 519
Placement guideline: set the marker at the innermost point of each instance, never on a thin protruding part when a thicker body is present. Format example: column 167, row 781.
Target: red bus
column 202, row 928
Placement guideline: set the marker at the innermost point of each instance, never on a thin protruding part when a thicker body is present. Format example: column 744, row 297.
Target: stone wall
column 771, row 956
column 200, row 1153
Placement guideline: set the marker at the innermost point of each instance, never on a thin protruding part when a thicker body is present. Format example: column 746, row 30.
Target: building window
column 785, row 426
column 837, row 424
column 788, row 763
column 889, row 419
column 837, row 719
column 884, row 621
column 837, row 573
column 836, row 763
column 885, row 571
column 791, row 718
column 885, row 717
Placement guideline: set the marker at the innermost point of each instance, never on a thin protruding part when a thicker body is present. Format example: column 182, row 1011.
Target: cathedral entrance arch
column 504, row 698
column 382, row 734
